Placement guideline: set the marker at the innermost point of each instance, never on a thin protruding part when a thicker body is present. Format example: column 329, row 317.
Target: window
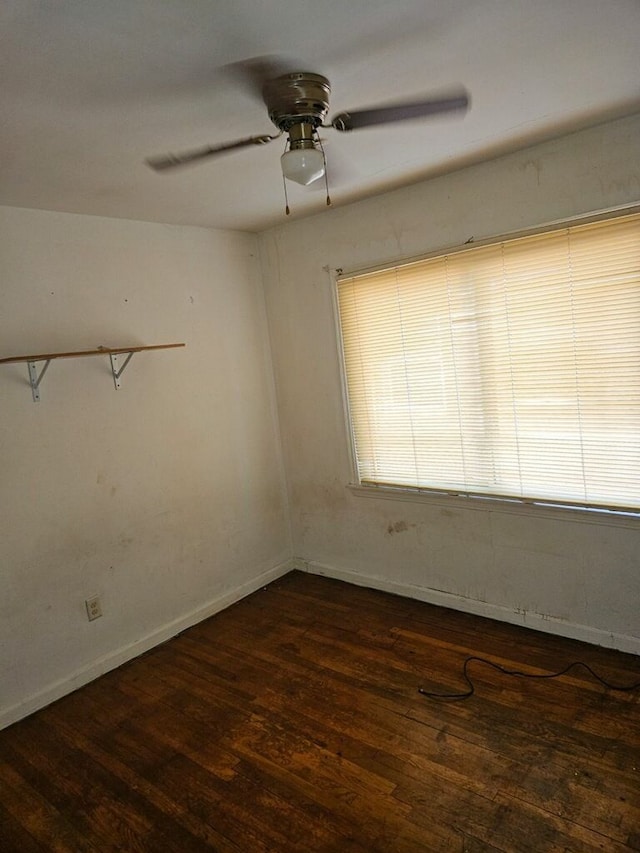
column 510, row 369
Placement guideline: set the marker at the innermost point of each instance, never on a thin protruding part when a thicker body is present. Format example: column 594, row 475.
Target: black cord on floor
column 467, row 693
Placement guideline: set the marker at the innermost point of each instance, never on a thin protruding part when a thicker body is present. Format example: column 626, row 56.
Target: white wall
column 166, row 498
column 562, row 571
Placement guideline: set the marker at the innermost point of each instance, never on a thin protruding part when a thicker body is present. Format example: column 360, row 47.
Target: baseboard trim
column 94, row 670
column 527, row 619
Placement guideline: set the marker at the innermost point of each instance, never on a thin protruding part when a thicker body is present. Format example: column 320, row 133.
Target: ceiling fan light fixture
column 302, row 165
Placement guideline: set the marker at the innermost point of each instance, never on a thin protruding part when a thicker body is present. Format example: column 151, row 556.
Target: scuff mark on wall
column 536, row 165
column 398, row 527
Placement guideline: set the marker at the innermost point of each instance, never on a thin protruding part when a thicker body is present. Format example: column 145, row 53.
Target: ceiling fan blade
column 401, row 112
column 170, row 161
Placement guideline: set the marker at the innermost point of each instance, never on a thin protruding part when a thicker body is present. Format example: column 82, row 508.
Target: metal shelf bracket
column 115, row 357
column 35, row 380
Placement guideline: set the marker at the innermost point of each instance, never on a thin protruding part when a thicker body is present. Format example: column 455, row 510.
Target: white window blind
column 510, row 369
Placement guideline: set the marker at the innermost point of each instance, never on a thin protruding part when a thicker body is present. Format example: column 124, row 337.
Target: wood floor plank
column 15, row 838
column 39, row 818
column 177, row 828
column 292, row 723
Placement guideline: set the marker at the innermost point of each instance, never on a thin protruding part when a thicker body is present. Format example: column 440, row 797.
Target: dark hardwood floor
column 292, row 722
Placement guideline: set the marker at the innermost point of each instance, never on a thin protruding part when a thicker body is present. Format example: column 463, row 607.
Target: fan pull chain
column 286, row 199
column 284, row 184
column 326, row 176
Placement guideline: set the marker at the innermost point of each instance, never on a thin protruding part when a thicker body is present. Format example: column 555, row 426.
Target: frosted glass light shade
column 302, row 165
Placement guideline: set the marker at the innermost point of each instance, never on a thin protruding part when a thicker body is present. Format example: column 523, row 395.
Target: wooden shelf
column 112, row 352
column 82, row 353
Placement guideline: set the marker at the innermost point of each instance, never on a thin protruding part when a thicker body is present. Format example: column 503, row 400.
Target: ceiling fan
column 298, row 103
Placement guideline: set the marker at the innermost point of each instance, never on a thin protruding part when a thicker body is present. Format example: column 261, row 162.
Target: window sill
column 608, row 518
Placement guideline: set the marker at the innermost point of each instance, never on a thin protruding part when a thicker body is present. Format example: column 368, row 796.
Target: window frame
column 618, row 516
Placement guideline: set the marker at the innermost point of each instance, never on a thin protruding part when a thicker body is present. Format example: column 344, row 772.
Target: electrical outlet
column 94, row 608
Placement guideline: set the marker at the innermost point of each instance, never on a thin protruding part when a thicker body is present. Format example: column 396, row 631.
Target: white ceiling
column 92, row 87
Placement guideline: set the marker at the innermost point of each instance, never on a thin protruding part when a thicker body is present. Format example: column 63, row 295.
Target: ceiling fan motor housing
column 297, row 103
